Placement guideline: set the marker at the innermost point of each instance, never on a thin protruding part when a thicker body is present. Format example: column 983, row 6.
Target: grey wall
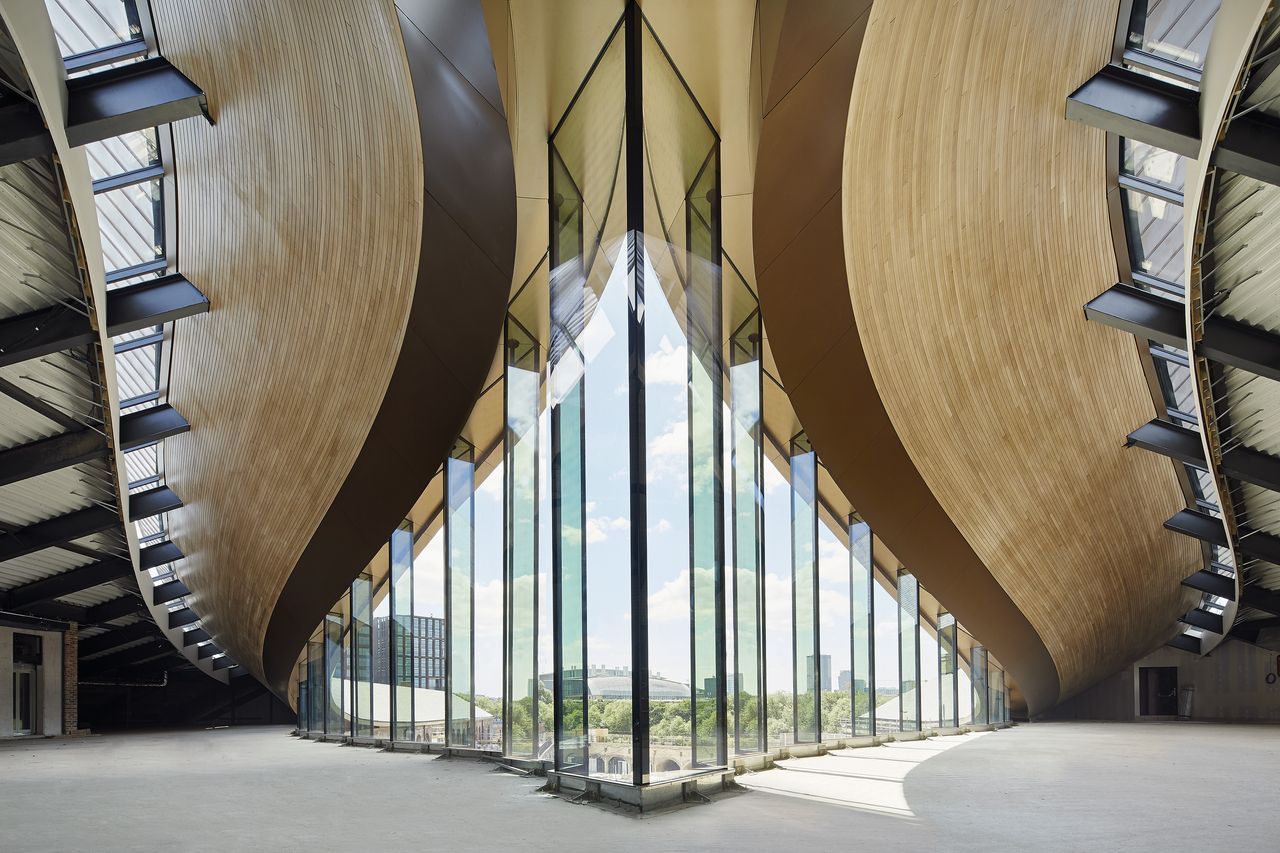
column 1230, row 684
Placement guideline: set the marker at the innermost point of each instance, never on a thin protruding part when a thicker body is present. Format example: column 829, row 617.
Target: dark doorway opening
column 1158, row 691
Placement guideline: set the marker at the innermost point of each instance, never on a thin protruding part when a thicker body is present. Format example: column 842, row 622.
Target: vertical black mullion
column 508, row 356
column 471, row 592
column 634, row 106
column 448, row 607
column 817, row 597
column 762, row 679
column 393, row 654
column 717, row 401
column 871, row 635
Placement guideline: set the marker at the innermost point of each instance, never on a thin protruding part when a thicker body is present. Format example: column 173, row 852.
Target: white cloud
column 671, row 602
column 599, row 528
column 669, row 365
column 773, row 478
column 663, row 526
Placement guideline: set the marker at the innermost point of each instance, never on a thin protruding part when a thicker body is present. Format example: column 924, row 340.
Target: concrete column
column 50, row 687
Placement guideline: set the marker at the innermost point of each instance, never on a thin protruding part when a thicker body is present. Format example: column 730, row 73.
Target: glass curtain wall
column 636, row 396
column 862, row 679
column 315, row 680
column 459, row 546
column 930, row 676
column 401, row 633
column 804, row 590
column 909, row 692
column 520, row 469
column 304, row 707
column 978, row 675
column 362, row 655
column 335, row 674
column 948, row 683
column 746, row 427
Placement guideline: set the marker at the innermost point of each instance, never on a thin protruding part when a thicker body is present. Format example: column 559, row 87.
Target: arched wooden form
column 975, row 227
column 351, row 217
column 800, row 263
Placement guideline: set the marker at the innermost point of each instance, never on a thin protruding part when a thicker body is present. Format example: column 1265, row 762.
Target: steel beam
column 152, row 502
column 168, row 591
column 1207, row 528
column 50, row 454
column 57, row 531
column 138, row 306
column 147, row 426
column 131, row 97
column 67, row 583
column 1252, row 148
column 153, row 303
column 118, row 637
column 1141, row 313
column 154, row 556
column 1183, row 444
column 23, row 135
column 183, row 617
column 41, row 332
column 1260, row 598
column 1124, row 102
column 195, row 635
column 1198, row 618
column 126, row 605
column 127, row 657
column 1212, row 583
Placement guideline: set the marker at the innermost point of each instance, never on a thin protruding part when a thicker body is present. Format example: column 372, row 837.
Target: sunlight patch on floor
column 868, row 779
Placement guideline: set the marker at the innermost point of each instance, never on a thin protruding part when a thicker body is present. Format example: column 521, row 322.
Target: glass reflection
column 459, row 527
column 948, row 677
column 804, row 588
column 401, row 634
column 862, row 679
column 909, row 692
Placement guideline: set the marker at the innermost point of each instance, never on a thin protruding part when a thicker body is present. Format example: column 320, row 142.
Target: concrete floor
column 1042, row 787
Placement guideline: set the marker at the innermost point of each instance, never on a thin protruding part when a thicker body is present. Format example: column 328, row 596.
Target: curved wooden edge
column 454, row 325
column 799, row 237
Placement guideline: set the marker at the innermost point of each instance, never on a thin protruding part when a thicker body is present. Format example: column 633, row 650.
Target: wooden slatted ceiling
column 300, row 216
column 976, row 227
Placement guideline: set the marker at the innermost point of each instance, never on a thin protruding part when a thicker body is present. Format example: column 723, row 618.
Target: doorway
column 1158, row 691
column 24, row 699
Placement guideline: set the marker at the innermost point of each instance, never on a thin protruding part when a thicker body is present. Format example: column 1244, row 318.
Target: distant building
column 425, row 640
column 843, row 679
column 824, row 671
column 615, row 683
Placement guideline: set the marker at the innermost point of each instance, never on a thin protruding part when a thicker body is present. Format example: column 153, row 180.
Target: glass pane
column 429, row 632
column 745, row 427
column 909, row 695
column 1177, row 30
column 131, row 221
column 834, row 670
column 84, row 25
column 401, row 658
column 779, row 651
column 947, row 671
column 459, row 484
column 304, row 723
column 861, row 583
column 887, row 686
column 981, row 701
column 335, row 673
column 1153, row 164
column 1154, row 229
column 520, row 466
column 119, row 154
column 804, row 581
column 362, row 655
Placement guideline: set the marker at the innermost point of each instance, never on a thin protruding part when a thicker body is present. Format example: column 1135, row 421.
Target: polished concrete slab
column 1042, row 787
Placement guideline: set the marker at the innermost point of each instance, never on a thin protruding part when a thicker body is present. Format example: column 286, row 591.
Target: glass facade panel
column 120, row 154
column 886, row 696
column 978, row 674
column 930, row 678
column 316, row 692
column 131, row 221
column 362, row 655
column 862, row 679
column 84, row 25
column 747, row 470
column 834, row 631
column 460, row 487
column 401, row 634
column 335, row 674
column 520, row 467
column 430, row 634
column 909, row 692
column 804, row 588
column 948, row 677
column 1175, row 30
column 1153, row 164
column 1154, row 229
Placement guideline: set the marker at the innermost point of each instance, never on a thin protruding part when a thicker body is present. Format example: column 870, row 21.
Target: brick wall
column 71, row 680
